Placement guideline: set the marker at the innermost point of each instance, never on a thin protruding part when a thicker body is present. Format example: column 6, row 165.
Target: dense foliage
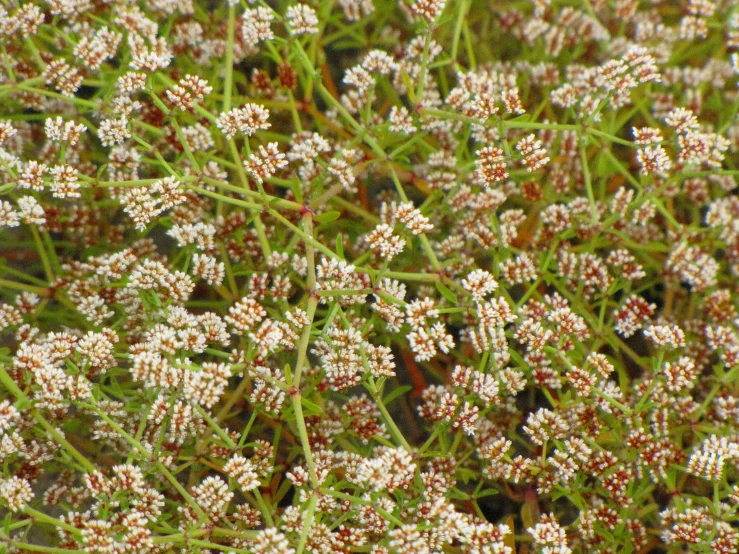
column 369, row 276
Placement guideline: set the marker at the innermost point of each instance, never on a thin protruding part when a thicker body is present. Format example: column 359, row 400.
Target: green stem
column 39, row 548
column 356, row 500
column 424, row 66
column 44, row 518
column 588, row 181
column 147, row 455
column 609, row 137
column 394, row 430
column 266, row 513
column 272, row 201
column 425, row 244
column 51, row 94
column 224, row 198
column 217, row 428
column 42, row 254
column 307, row 522
column 11, row 386
column 228, row 81
column 258, row 223
column 185, row 145
column 330, row 193
column 349, row 206
column 308, row 238
column 464, row 7
column 302, row 347
column 41, row 291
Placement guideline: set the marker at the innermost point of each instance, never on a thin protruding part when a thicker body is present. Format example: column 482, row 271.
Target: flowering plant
column 369, row 276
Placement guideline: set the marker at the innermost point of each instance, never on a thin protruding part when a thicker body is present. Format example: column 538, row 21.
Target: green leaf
column 340, row 245
column 328, row 216
column 288, row 373
column 239, row 78
column 445, row 18
column 408, row 85
column 115, row 388
column 446, row 293
column 310, row 407
column 560, row 492
column 565, row 398
column 527, row 516
column 522, row 117
column 486, row 492
column 467, row 475
column 305, row 60
column 396, row 392
column 458, row 494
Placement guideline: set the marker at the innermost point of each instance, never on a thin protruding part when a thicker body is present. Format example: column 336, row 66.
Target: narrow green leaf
column 446, row 293
column 522, row 117
column 115, row 388
column 527, row 517
column 396, row 393
column 310, row 407
column 409, row 85
column 458, row 494
column 326, row 217
column 340, row 245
